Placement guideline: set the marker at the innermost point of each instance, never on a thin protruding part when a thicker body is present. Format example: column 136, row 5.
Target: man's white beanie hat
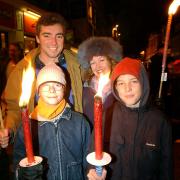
column 50, row 73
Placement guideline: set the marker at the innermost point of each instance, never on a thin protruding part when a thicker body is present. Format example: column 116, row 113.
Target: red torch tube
column 98, row 127
column 27, row 135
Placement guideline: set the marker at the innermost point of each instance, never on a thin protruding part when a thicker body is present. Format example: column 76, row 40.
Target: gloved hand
column 30, row 173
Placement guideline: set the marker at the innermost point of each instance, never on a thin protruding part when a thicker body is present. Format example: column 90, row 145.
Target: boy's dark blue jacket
column 62, row 144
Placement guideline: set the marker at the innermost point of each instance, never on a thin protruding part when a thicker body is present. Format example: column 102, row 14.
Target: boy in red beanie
column 138, row 136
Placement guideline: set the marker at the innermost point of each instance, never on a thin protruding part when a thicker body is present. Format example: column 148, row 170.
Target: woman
column 100, row 54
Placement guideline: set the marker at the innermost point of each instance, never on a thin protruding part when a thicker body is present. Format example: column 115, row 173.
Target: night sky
column 137, row 19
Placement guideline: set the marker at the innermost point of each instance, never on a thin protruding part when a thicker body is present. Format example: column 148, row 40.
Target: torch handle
column 99, row 164
column 99, row 170
column 168, row 29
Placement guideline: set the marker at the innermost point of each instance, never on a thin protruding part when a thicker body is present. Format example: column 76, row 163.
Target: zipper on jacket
column 134, row 143
column 56, row 128
column 58, row 149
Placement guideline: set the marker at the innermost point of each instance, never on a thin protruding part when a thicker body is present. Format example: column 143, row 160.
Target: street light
column 115, row 33
column 172, row 10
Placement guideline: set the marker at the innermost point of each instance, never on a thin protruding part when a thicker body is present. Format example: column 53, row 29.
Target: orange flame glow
column 173, row 7
column 27, row 80
column 103, row 80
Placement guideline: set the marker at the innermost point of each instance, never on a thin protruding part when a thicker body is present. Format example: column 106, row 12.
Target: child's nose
column 51, row 89
column 128, row 87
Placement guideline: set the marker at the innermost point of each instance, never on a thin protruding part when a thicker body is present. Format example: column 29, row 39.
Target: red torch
column 27, row 80
column 98, row 126
column 27, row 135
column 99, row 158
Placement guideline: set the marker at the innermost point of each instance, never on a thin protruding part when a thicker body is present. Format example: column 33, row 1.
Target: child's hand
column 93, row 176
column 4, row 138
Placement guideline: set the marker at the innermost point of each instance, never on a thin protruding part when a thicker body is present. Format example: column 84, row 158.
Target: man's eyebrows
column 60, row 33
column 46, row 33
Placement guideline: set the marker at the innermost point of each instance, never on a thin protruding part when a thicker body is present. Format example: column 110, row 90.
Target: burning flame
column 173, row 7
column 103, row 80
column 27, row 80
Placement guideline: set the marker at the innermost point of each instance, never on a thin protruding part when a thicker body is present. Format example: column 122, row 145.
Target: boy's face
column 51, row 92
column 129, row 90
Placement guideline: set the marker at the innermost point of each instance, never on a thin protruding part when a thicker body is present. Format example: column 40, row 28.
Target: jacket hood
column 134, row 67
column 98, row 46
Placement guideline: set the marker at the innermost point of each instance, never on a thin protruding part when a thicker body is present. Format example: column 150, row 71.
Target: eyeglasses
column 51, row 87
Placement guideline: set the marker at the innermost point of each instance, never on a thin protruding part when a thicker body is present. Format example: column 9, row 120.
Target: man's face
column 51, row 40
column 100, row 65
column 51, row 93
column 129, row 90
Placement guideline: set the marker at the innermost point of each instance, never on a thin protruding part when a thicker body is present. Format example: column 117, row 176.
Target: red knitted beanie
column 127, row 66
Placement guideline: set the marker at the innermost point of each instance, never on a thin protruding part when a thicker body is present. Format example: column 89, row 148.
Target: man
column 15, row 55
column 50, row 32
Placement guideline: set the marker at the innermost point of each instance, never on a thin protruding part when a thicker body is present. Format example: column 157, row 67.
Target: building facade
column 17, row 23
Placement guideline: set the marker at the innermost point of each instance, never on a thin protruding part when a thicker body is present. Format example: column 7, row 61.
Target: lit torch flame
column 173, row 7
column 27, row 80
column 103, row 80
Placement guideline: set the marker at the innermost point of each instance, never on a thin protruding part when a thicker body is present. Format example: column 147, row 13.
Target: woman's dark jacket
column 139, row 140
column 63, row 143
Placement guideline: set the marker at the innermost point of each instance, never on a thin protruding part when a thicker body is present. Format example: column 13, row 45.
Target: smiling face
column 51, row 41
column 52, row 93
column 100, row 65
column 129, row 90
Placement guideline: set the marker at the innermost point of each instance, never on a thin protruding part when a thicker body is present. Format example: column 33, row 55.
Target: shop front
column 17, row 24
column 30, row 19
